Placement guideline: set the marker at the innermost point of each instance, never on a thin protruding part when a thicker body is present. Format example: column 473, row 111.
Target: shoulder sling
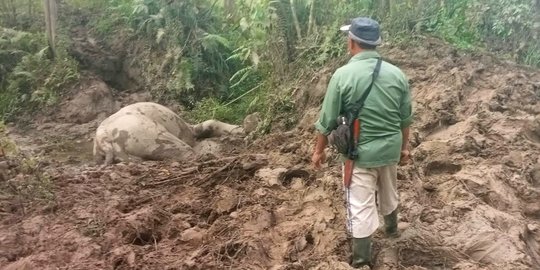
column 345, row 137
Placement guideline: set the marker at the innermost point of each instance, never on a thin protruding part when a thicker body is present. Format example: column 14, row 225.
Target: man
column 384, row 130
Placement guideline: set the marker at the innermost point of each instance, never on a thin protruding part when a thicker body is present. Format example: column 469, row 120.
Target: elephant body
column 150, row 131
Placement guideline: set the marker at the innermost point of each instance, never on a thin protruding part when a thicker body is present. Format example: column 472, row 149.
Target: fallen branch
column 210, row 179
column 256, row 156
column 170, row 179
column 259, row 161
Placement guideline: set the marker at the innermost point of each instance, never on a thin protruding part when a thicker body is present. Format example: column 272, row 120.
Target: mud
column 91, row 99
column 469, row 201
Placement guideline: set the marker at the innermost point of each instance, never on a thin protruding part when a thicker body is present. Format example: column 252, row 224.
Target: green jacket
column 387, row 109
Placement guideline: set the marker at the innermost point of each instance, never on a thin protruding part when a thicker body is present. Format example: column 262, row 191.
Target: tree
column 230, row 6
column 8, row 10
column 50, row 23
column 295, row 21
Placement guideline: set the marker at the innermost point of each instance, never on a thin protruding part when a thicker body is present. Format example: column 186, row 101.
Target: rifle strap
column 358, row 105
column 354, row 114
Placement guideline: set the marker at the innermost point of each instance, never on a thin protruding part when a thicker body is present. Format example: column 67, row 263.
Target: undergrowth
column 24, row 181
column 29, row 185
column 29, row 79
column 7, row 146
column 209, row 55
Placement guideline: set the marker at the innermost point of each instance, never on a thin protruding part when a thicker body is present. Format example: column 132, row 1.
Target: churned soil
column 470, row 199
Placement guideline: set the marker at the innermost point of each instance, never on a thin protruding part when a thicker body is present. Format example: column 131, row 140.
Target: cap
column 364, row 30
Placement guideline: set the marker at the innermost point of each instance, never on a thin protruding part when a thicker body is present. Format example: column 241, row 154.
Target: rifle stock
column 349, row 163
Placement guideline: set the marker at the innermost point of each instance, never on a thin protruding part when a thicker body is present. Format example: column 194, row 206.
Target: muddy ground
column 470, row 200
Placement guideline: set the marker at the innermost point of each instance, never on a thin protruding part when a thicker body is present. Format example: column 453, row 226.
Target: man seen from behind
column 384, row 121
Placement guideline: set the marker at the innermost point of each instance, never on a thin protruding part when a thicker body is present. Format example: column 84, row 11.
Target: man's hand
column 319, row 156
column 405, row 153
column 405, row 157
column 318, row 159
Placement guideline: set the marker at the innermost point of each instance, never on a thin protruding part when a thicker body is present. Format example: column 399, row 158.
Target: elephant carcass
column 151, row 131
column 137, row 137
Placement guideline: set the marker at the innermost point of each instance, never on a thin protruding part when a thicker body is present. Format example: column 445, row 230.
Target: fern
column 159, row 35
column 213, row 42
column 242, row 54
column 243, row 74
column 140, row 9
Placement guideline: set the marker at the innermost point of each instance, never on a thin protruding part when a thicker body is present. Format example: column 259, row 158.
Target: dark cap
column 364, row 30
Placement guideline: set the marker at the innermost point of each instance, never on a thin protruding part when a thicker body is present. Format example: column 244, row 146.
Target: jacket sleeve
column 331, row 107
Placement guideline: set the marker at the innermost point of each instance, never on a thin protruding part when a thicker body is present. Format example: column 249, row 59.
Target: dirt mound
column 94, row 55
column 475, row 155
column 469, row 201
column 91, row 99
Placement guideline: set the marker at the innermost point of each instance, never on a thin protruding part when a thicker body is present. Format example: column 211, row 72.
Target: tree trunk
column 536, row 27
column 295, row 21
column 13, row 12
column 30, row 9
column 381, row 7
column 50, row 24
column 392, row 6
column 230, row 6
column 311, row 22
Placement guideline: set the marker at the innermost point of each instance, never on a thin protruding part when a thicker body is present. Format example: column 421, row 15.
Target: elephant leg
column 169, row 147
column 214, row 128
column 103, row 151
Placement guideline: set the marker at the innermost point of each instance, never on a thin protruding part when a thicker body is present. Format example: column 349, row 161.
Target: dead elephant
column 151, row 131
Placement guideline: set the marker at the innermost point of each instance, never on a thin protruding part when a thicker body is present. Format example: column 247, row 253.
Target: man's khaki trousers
column 362, row 216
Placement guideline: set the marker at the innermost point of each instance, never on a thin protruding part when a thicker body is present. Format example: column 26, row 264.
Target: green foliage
column 219, row 55
column 29, row 79
column 117, row 14
column 13, row 46
column 34, row 185
column 25, row 15
column 531, row 56
column 281, row 110
column 212, row 108
column 507, row 26
column 451, row 24
column 209, row 57
column 202, row 59
column 273, row 108
column 7, row 146
column 93, row 5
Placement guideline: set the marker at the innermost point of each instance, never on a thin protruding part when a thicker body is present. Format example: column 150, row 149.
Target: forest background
column 225, row 59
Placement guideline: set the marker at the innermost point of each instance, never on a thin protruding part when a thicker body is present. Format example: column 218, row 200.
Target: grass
column 212, row 108
column 7, row 145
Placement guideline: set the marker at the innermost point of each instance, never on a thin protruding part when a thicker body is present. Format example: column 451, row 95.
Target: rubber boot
column 361, row 252
column 391, row 224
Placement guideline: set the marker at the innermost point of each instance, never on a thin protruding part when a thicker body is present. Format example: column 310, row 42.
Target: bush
column 505, row 26
column 29, row 79
column 231, row 112
column 25, row 15
column 7, row 146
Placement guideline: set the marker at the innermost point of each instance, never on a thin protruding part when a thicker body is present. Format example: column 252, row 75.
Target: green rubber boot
column 391, row 224
column 361, row 252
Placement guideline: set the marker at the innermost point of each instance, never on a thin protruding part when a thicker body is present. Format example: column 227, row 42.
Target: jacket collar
column 365, row 55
